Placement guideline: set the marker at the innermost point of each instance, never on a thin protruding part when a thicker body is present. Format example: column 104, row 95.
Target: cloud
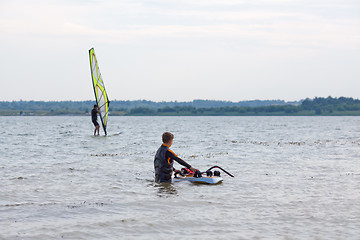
column 98, row 20
column 309, row 34
column 184, row 40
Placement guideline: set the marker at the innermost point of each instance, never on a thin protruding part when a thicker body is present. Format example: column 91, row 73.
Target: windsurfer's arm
column 173, row 156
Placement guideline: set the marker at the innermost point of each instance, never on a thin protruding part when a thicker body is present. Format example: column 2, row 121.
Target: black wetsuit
column 94, row 113
column 163, row 164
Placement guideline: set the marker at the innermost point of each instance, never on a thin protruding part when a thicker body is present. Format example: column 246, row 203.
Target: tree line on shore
column 307, row 107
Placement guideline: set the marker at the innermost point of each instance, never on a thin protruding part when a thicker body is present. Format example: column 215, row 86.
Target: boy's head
column 95, row 106
column 167, row 138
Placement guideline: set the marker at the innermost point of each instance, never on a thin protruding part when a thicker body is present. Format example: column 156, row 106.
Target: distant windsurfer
column 164, row 160
column 94, row 114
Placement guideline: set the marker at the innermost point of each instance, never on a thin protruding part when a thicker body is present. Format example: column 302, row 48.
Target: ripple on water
column 295, row 178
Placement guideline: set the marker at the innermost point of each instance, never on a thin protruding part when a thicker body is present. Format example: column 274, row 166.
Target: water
column 295, row 178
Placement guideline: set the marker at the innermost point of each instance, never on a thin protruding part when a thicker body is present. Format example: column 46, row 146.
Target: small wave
column 71, row 169
column 104, row 155
column 352, row 174
column 297, row 143
column 26, row 204
column 208, row 155
column 66, row 133
column 85, row 204
column 251, row 142
column 18, row 178
column 24, row 134
column 16, row 204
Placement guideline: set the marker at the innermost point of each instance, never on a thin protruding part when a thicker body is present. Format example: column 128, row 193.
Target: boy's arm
column 172, row 155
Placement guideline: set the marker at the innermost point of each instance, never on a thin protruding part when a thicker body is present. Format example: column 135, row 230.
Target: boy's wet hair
column 95, row 105
column 167, row 136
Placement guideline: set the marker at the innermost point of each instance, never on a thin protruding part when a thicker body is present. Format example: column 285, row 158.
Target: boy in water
column 94, row 114
column 164, row 160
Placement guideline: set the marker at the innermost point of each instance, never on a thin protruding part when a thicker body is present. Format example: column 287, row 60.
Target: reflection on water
column 296, row 178
column 165, row 189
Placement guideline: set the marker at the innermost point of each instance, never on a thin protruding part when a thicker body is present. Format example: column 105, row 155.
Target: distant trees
column 141, row 111
column 316, row 106
column 331, row 105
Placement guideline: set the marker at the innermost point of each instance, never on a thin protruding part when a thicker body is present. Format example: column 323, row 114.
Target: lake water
column 295, row 178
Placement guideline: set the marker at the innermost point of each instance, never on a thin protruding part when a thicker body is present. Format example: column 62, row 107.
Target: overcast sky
column 180, row 49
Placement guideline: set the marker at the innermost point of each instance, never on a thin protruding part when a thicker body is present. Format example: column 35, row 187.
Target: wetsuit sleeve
column 172, row 155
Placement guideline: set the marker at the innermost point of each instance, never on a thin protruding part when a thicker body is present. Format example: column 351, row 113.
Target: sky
column 180, row 50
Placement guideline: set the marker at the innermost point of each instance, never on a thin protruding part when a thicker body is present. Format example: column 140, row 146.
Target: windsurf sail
column 101, row 96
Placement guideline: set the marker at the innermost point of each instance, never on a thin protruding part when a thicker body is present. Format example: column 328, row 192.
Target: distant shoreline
column 309, row 107
column 351, row 114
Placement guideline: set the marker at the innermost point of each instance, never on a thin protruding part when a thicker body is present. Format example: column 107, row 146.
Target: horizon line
column 185, row 101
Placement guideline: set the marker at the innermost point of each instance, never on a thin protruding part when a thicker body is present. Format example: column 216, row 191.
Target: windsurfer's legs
column 97, row 128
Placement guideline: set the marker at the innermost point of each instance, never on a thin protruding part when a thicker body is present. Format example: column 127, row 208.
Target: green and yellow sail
column 101, row 96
